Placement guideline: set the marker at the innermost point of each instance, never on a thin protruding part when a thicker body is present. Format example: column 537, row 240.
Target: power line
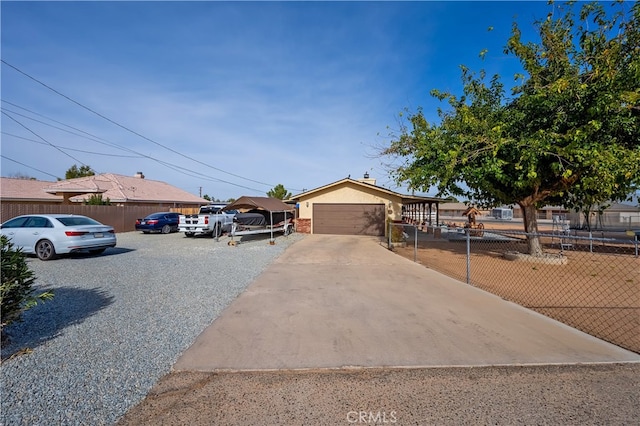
column 179, row 169
column 129, row 130
column 37, row 135
column 73, row 149
column 97, row 140
column 82, row 134
column 32, row 168
column 50, row 119
column 93, row 138
column 199, row 175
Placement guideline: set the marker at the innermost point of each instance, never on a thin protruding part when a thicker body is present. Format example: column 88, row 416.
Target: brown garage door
column 349, row 219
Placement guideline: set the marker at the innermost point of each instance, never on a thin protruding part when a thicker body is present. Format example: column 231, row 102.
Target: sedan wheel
column 166, row 229
column 45, row 250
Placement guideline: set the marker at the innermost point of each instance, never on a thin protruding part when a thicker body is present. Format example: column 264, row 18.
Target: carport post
column 389, row 235
column 272, row 241
column 468, row 255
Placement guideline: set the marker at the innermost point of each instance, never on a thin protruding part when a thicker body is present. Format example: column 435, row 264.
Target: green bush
column 16, row 292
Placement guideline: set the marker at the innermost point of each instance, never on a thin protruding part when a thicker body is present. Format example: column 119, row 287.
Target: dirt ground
column 596, row 291
column 552, row 395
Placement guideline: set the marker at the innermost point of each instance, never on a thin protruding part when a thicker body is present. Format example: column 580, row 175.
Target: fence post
column 468, row 232
column 389, row 235
column 415, row 244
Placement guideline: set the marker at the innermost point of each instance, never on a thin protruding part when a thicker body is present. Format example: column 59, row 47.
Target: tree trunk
column 531, row 227
column 587, row 219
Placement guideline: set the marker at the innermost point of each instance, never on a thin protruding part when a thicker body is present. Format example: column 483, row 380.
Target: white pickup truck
column 211, row 220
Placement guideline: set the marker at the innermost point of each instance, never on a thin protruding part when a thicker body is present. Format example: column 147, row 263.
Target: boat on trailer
column 260, row 215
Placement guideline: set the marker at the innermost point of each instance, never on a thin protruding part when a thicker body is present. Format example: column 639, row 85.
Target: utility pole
column 200, row 192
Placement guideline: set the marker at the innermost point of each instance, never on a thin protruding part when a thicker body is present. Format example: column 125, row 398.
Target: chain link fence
column 589, row 283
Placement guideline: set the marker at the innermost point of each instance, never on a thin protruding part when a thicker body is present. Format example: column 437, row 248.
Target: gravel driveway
column 119, row 321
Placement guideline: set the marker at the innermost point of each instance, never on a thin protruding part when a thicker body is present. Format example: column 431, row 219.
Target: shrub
column 96, row 200
column 16, row 292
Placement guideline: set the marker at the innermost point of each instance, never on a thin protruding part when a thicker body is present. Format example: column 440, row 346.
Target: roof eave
column 38, row 200
column 405, row 198
column 75, row 191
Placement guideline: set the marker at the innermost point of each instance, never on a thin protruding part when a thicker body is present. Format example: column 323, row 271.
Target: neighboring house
column 358, row 207
column 124, row 190
column 455, row 211
column 26, row 191
column 616, row 216
column 130, row 198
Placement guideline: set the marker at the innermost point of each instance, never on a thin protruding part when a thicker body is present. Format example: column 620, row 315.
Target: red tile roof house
column 130, row 197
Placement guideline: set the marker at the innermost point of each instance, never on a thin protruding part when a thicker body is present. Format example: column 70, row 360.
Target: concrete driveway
column 344, row 301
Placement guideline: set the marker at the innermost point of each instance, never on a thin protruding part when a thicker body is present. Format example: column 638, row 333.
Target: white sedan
column 48, row 235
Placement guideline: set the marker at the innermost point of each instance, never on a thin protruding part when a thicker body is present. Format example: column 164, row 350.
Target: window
column 38, row 222
column 77, row 220
column 17, row 222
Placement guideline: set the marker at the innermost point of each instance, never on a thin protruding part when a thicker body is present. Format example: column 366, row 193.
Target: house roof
column 624, row 207
column 453, row 206
column 471, row 211
column 12, row 189
column 405, row 198
column 122, row 189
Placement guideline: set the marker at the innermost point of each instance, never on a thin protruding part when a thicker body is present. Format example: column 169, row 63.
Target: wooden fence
column 122, row 218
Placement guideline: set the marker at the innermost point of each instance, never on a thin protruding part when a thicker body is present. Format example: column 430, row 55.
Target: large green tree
column 76, row 172
column 569, row 133
column 280, row 192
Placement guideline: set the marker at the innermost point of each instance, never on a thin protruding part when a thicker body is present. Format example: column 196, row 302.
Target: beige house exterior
column 357, row 207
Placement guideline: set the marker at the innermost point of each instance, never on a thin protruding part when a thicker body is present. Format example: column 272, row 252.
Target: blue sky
column 232, row 98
